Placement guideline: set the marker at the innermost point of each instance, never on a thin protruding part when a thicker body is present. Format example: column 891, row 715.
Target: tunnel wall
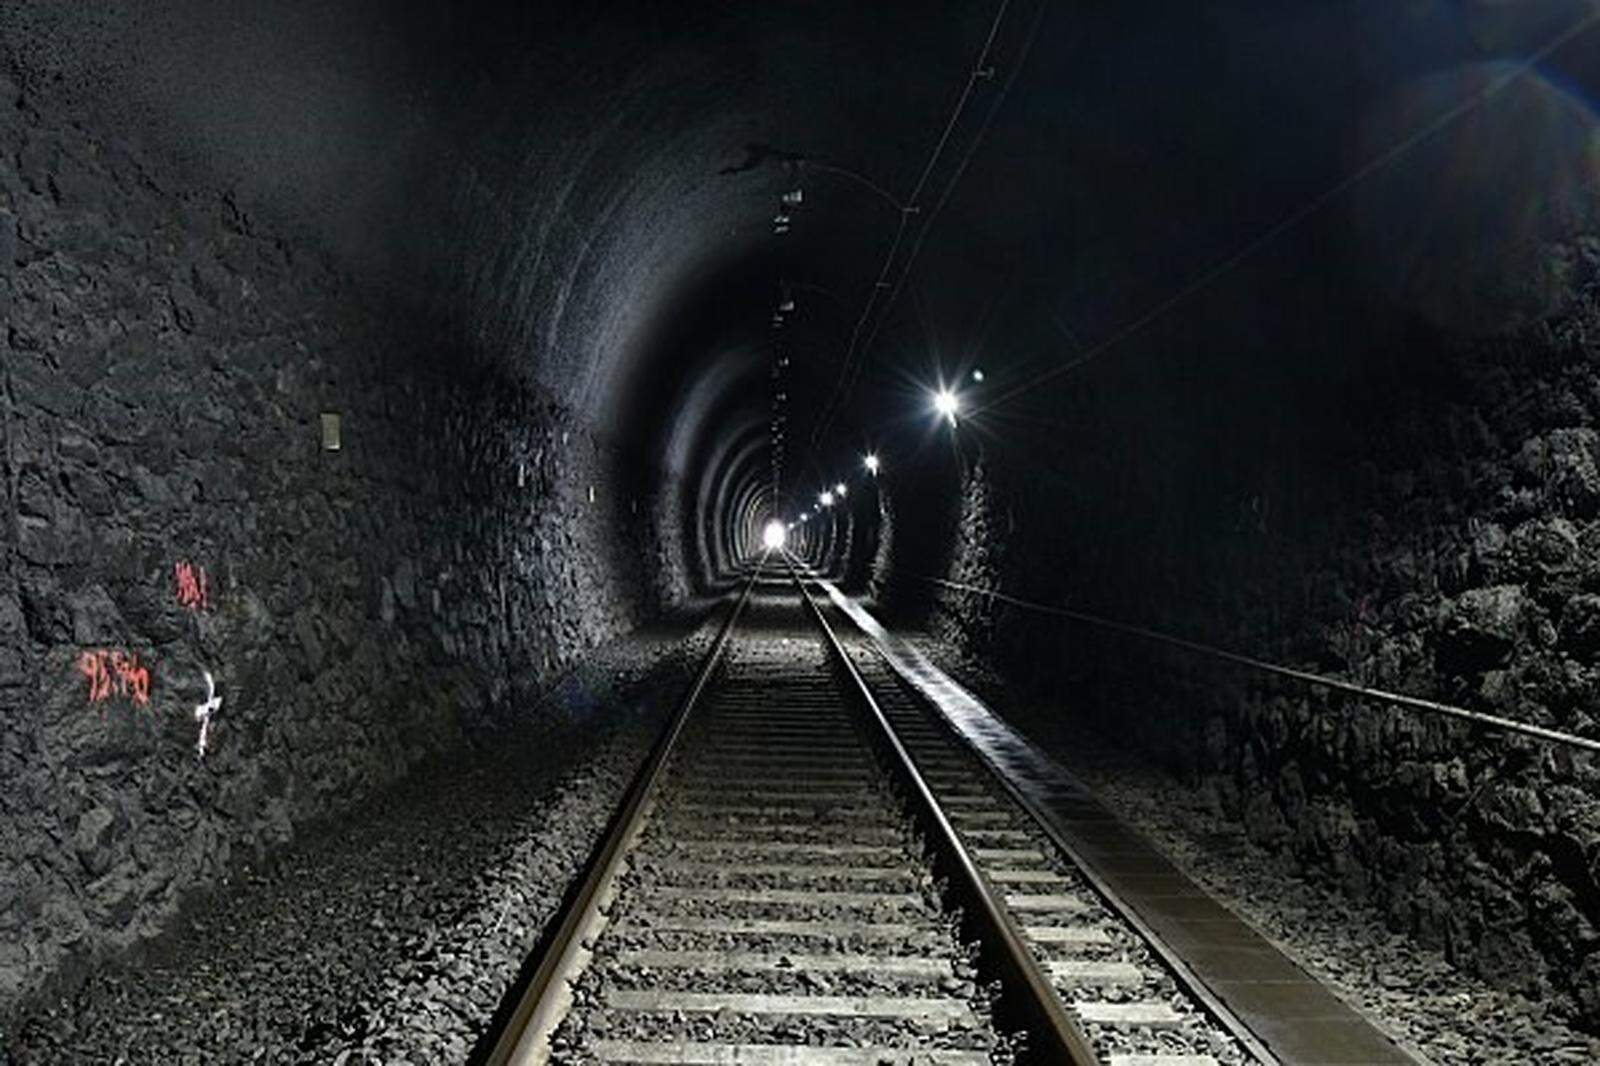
column 922, row 501
column 880, row 571
column 1428, row 524
column 168, row 510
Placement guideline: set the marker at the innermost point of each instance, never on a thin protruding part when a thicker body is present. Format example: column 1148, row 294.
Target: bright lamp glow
column 871, row 463
column 839, row 489
column 826, row 499
column 947, row 403
column 773, row 536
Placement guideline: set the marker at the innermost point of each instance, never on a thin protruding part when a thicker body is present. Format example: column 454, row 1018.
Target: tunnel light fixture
column 773, row 536
column 826, row 499
column 794, row 196
column 840, row 491
column 947, row 404
column 977, row 375
column 871, row 463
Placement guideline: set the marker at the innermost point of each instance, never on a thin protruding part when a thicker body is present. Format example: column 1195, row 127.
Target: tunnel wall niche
column 169, row 511
column 1430, row 525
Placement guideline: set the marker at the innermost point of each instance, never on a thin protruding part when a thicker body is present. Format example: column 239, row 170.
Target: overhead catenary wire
column 1398, row 699
column 944, row 198
column 980, row 71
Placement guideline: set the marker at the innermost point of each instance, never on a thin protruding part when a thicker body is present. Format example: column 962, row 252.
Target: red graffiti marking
column 115, row 673
column 194, row 589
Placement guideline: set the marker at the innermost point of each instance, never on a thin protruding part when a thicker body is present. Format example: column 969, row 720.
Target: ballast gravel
column 1445, row 1015
column 392, row 935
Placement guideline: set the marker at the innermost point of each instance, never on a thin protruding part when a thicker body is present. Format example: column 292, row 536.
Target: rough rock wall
column 922, row 504
column 1429, row 525
column 881, row 567
column 168, row 511
column 867, row 537
column 982, row 530
column 656, row 522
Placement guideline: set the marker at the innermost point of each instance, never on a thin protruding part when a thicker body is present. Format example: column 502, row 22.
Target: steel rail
column 541, row 1003
column 1176, row 965
column 1056, row 1035
column 1398, row 699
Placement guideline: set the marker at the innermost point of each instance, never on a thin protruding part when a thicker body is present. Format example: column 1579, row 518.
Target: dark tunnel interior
column 373, row 370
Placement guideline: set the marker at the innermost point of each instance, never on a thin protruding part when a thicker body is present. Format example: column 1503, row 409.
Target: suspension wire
column 860, row 179
column 1305, row 211
column 911, row 206
column 1415, row 703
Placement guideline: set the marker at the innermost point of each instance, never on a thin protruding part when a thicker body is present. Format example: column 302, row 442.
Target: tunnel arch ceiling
column 1073, row 198
column 552, row 179
column 633, row 250
column 599, row 212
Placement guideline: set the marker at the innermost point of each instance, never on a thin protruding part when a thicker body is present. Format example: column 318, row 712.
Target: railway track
column 812, row 870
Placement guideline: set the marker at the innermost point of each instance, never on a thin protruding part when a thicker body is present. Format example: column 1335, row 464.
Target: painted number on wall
column 194, row 588
column 115, row 673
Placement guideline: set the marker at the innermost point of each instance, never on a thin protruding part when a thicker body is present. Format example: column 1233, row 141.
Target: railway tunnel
column 1190, row 407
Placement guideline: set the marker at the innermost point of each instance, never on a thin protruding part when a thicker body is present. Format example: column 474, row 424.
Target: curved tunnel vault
column 369, row 364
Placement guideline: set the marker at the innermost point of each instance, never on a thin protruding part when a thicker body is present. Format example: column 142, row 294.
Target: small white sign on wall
column 331, row 440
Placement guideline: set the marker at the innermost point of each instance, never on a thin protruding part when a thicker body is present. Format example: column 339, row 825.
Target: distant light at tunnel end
column 773, row 536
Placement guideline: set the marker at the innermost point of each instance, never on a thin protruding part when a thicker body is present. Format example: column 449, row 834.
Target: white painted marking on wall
column 204, row 711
